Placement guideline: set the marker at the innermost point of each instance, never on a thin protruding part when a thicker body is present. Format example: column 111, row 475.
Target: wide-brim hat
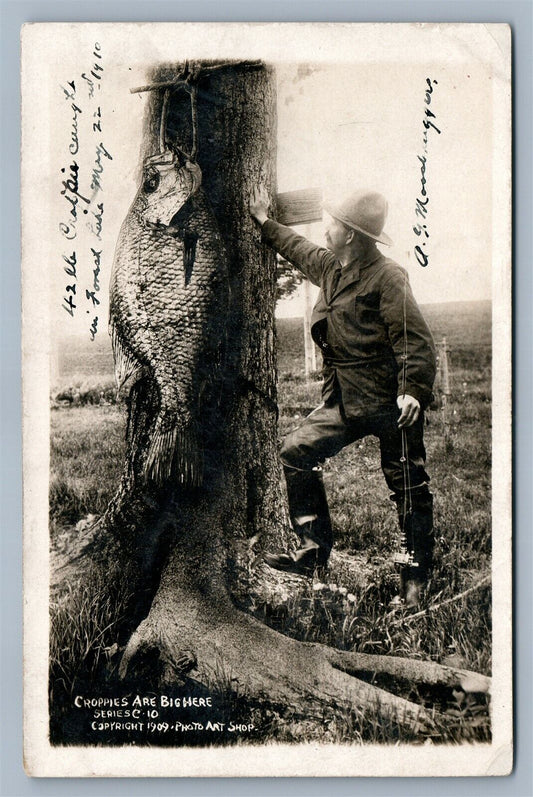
column 364, row 211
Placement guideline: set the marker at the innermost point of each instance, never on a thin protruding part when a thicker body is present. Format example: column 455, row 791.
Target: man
column 379, row 368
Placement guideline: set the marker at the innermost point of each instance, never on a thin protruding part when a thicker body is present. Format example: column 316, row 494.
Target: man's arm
column 412, row 343
column 309, row 258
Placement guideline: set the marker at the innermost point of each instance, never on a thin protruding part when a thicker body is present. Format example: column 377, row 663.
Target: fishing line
column 194, row 121
column 407, row 507
column 163, row 121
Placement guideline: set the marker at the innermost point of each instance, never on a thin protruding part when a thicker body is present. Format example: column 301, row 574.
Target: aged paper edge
column 41, row 759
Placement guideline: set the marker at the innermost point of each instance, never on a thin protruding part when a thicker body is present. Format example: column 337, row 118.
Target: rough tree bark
column 196, row 552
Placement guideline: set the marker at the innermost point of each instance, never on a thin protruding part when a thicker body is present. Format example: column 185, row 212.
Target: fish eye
column 151, row 182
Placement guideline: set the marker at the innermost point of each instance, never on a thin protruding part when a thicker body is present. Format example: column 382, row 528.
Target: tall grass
column 84, row 622
column 84, row 619
column 86, row 459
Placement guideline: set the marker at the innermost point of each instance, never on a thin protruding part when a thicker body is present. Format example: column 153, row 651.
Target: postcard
column 267, row 399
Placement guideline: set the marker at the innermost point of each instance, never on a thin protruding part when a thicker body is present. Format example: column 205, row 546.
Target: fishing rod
column 405, row 557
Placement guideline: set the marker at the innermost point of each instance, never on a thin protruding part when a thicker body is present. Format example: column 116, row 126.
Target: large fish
column 168, row 299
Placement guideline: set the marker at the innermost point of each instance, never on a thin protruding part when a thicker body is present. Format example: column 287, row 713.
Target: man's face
column 337, row 235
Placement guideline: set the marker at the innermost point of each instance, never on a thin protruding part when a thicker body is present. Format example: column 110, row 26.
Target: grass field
column 352, row 610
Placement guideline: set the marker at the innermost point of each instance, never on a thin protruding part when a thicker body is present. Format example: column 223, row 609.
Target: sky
column 345, row 127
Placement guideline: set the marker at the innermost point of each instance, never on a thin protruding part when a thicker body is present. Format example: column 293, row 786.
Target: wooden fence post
column 444, row 372
column 442, row 386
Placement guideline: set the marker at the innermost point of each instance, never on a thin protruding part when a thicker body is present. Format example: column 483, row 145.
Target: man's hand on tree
column 410, row 408
column 258, row 205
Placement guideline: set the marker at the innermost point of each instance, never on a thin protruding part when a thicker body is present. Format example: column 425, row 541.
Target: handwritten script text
column 420, row 228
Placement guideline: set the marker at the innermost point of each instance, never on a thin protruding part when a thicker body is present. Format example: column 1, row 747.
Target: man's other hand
column 410, row 408
column 258, row 204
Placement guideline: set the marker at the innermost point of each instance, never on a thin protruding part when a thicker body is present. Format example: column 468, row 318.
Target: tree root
column 67, row 566
column 187, row 631
column 427, row 672
column 172, row 664
column 257, row 661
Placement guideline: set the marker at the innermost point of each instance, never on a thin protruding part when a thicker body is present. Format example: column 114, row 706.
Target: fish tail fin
column 174, row 453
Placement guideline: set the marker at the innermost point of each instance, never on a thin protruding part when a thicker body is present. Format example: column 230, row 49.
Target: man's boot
column 416, row 524
column 310, row 518
column 308, row 559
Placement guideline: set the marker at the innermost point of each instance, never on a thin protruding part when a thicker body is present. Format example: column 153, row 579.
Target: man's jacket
column 374, row 340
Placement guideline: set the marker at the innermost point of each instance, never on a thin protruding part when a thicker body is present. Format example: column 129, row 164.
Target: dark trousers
column 322, row 435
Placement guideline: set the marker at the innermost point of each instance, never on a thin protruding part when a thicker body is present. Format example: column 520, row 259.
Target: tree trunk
column 195, row 554
column 242, row 499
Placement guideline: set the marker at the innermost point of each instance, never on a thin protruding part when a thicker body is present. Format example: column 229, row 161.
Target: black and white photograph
column 267, row 399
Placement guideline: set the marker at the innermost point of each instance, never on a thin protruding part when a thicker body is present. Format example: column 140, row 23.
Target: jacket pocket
column 370, row 387
column 367, row 315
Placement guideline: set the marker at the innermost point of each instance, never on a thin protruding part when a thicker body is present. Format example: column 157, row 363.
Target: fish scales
column 168, row 302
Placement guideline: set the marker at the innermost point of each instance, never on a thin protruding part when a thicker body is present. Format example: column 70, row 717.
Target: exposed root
column 427, row 672
column 259, row 662
column 171, row 663
column 68, row 566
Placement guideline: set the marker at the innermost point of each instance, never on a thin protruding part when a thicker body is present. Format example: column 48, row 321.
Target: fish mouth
column 163, row 221
column 174, row 223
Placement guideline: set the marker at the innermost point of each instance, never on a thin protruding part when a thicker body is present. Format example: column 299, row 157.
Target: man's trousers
column 322, row 435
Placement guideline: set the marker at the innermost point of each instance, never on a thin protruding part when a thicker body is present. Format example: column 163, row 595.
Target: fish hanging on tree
column 168, row 302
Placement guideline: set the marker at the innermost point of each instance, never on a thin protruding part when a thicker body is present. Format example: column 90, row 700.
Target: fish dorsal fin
column 128, row 369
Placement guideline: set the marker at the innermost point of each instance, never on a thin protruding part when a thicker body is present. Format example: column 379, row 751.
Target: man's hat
column 364, row 211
